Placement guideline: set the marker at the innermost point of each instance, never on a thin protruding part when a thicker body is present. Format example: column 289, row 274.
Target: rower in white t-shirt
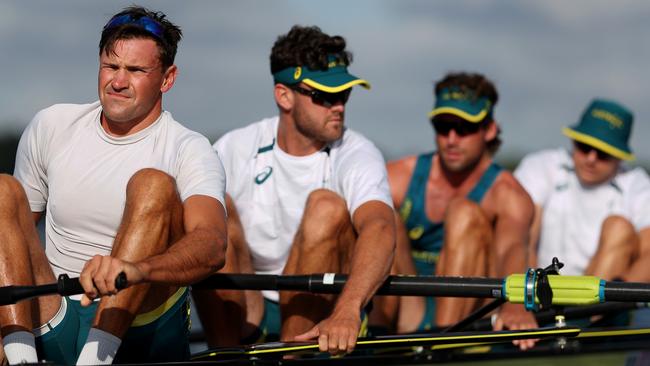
column 122, row 187
column 305, row 195
column 592, row 211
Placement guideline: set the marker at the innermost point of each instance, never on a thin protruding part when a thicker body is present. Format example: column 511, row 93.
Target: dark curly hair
column 480, row 86
column 167, row 44
column 307, row 46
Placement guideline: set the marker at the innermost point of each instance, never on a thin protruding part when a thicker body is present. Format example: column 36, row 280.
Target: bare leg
column 22, row 260
column 230, row 316
column 616, row 249
column 411, row 308
column 152, row 221
column 323, row 243
column 467, row 238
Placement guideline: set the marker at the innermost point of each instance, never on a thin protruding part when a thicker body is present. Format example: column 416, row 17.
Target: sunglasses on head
column 144, row 22
column 461, row 128
column 323, row 98
column 586, row 149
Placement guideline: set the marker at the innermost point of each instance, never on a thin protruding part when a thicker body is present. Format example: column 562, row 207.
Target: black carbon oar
column 568, row 290
column 517, row 288
column 331, row 283
column 65, row 286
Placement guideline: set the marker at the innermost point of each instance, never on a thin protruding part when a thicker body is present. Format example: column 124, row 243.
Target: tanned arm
column 533, row 243
column 514, row 217
column 199, row 253
column 371, row 261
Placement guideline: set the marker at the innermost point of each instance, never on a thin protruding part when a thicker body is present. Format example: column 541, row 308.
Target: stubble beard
column 459, row 167
column 310, row 128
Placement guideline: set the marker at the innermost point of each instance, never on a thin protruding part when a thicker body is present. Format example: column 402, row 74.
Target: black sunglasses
column 323, row 98
column 461, row 128
column 586, row 149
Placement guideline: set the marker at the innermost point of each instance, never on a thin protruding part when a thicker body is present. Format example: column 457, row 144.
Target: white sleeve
column 535, row 175
column 362, row 176
column 31, row 166
column 200, row 171
column 222, row 147
column 639, row 199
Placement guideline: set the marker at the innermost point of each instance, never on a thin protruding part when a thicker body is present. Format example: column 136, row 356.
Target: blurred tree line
column 8, row 146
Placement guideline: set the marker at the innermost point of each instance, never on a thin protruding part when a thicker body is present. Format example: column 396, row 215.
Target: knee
column 617, row 224
column 617, row 230
column 325, row 213
column 325, row 206
column 466, row 226
column 152, row 186
column 463, row 214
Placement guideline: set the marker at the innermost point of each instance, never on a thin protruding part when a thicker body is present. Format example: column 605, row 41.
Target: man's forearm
column 195, row 256
column 371, row 261
column 511, row 260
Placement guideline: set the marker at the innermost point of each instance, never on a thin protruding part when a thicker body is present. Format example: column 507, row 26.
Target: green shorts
column 157, row 336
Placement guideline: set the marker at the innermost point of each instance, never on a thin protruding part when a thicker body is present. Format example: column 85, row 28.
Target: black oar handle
column 65, row 286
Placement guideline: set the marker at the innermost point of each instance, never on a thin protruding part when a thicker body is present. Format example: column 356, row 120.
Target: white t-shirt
column 573, row 214
column 270, row 187
column 69, row 164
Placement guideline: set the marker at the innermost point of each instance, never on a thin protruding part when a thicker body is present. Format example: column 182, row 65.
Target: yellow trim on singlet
column 153, row 315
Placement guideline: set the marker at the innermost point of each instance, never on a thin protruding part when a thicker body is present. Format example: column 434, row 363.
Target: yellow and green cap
column 333, row 80
column 606, row 126
column 463, row 104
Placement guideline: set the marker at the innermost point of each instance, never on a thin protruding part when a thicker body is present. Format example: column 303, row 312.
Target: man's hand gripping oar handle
column 65, row 286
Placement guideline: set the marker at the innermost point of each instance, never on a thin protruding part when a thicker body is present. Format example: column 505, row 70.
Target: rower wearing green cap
column 460, row 214
column 592, row 210
column 305, row 195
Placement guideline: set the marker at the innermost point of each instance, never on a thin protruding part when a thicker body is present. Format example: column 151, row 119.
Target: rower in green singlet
column 460, row 214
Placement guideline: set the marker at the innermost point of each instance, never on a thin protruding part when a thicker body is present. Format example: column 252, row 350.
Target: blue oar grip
column 529, row 288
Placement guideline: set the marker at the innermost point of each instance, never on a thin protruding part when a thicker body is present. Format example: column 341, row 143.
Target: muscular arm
column 373, row 254
column 197, row 254
column 533, row 241
column 371, row 261
column 514, row 216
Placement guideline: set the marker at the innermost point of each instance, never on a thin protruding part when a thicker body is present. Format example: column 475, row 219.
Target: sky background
column 548, row 59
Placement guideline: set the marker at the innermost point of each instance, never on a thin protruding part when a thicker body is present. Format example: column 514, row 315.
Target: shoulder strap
column 484, row 184
column 415, row 196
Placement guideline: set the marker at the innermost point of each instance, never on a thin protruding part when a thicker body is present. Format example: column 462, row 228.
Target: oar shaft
column 567, row 290
column 442, row 286
column 333, row 283
column 627, row 291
